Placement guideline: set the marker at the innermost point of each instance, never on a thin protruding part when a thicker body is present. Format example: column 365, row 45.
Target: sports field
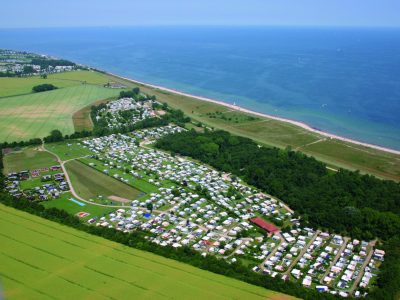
column 40, row 258
column 35, row 115
column 90, row 183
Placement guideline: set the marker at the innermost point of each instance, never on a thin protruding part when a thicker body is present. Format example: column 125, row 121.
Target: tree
column 44, row 76
column 43, row 87
column 28, row 70
column 55, row 136
column 149, row 206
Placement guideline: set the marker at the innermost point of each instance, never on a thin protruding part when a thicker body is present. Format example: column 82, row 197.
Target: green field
column 35, row 115
column 336, row 154
column 28, row 158
column 68, row 150
column 90, row 183
column 11, row 86
column 40, row 258
column 71, row 207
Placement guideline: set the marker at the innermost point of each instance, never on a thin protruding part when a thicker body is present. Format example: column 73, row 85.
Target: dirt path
column 302, row 252
column 243, row 240
column 362, row 270
column 345, row 241
column 312, row 143
column 262, row 267
column 73, row 192
column 68, row 180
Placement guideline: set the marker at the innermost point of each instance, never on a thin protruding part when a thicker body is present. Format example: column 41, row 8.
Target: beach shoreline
column 259, row 114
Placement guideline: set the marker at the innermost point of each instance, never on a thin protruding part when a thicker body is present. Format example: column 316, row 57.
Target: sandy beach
column 264, row 115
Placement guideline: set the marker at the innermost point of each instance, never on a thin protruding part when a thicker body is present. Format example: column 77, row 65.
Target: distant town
column 16, row 63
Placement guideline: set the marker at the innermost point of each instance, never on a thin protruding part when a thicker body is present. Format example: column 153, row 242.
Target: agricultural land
column 149, row 169
column 41, row 258
column 68, row 109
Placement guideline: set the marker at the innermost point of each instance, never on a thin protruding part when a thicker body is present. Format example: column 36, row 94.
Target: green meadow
column 68, row 150
column 40, row 258
column 34, row 115
column 336, row 154
column 73, row 208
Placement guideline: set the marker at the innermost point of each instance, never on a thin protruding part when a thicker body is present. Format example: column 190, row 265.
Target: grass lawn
column 68, row 150
column 23, row 117
column 73, row 208
column 28, row 158
column 280, row 134
column 35, row 115
column 40, row 258
column 90, row 183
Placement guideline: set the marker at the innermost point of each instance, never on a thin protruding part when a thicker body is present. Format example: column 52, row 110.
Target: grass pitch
column 35, row 115
column 45, row 260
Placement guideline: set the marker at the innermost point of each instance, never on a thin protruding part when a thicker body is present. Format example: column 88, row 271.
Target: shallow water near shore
column 345, row 81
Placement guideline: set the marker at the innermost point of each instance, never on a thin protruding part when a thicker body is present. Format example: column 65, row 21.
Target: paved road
column 345, row 241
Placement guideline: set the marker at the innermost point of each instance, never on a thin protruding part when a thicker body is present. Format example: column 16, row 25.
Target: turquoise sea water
column 342, row 80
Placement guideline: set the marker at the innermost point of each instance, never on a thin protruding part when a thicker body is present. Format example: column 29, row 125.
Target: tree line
column 187, row 255
column 44, row 63
column 345, row 202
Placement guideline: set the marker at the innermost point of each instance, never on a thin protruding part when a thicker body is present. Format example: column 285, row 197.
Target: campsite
column 98, row 158
column 183, row 203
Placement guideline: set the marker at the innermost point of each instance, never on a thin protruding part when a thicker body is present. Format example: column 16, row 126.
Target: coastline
column 264, row 115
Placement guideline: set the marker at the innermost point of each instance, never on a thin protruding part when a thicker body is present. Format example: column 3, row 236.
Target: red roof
column 264, row 225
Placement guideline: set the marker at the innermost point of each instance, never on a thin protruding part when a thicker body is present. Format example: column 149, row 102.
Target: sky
column 90, row 13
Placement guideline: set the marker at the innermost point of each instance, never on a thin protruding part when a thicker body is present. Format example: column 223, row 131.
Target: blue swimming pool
column 77, row 202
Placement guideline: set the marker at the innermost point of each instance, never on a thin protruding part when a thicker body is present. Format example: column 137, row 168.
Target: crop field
column 90, row 183
column 35, row 115
column 11, row 86
column 41, row 258
column 28, row 158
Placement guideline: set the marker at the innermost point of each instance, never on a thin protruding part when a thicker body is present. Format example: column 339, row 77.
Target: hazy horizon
column 121, row 13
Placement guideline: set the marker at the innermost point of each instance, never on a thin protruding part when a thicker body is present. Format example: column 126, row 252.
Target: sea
column 344, row 81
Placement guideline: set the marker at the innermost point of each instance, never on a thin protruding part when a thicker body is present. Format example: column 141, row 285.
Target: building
column 270, row 228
